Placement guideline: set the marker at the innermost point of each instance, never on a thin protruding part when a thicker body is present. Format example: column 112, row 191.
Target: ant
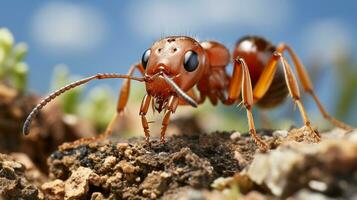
column 174, row 68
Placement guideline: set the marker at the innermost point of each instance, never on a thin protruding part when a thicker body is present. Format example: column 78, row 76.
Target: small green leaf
column 20, row 51
column 2, row 56
column 20, row 76
column 12, row 69
column 99, row 106
column 70, row 100
column 6, row 39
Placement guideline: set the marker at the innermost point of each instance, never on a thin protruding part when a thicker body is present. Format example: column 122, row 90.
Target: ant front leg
column 145, row 104
column 247, row 98
column 171, row 108
column 122, row 100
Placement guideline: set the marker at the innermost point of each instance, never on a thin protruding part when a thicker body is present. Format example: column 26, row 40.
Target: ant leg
column 247, row 97
column 295, row 94
column 308, row 87
column 235, row 86
column 145, row 104
column 171, row 108
column 266, row 78
column 122, row 100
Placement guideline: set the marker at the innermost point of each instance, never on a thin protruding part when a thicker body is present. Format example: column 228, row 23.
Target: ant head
column 182, row 59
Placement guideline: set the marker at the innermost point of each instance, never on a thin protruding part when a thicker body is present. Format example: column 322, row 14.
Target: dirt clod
column 48, row 130
column 78, row 183
column 324, row 168
column 134, row 169
column 54, row 190
column 220, row 165
column 13, row 182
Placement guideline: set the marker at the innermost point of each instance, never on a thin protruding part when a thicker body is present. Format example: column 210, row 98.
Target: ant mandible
column 174, row 68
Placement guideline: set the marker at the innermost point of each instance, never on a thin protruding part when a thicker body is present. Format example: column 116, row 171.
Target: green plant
column 98, row 105
column 346, row 74
column 70, row 100
column 13, row 70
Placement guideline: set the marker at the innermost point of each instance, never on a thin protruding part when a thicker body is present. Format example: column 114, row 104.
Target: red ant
column 174, row 66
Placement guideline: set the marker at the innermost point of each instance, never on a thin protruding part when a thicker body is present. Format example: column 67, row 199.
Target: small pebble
column 146, row 192
column 318, row 185
column 97, row 196
column 153, row 195
column 280, row 133
column 122, row 146
column 109, row 162
column 236, row 135
column 128, row 153
column 221, row 182
column 127, row 167
column 55, row 187
column 165, row 175
column 12, row 164
column 239, row 157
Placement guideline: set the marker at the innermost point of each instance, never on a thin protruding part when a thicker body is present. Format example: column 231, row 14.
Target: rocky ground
column 219, row 165
column 50, row 129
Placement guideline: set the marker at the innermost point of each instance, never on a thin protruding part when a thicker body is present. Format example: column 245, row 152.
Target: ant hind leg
column 295, row 94
column 307, row 85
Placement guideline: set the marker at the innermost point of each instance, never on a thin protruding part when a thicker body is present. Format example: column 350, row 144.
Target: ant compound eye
column 145, row 58
column 191, row 61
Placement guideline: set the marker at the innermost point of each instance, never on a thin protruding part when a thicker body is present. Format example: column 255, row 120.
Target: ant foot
column 312, row 133
column 263, row 146
column 147, row 139
column 347, row 131
column 163, row 141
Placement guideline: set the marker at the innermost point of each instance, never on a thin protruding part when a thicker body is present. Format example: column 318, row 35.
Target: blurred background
column 66, row 40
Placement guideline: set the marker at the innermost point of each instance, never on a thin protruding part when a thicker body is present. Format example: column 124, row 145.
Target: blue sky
column 92, row 36
column 124, row 33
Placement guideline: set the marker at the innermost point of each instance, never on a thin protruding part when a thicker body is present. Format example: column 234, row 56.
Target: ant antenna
column 181, row 93
column 49, row 98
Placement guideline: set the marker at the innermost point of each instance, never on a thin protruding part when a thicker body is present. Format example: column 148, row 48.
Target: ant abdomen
column 257, row 51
